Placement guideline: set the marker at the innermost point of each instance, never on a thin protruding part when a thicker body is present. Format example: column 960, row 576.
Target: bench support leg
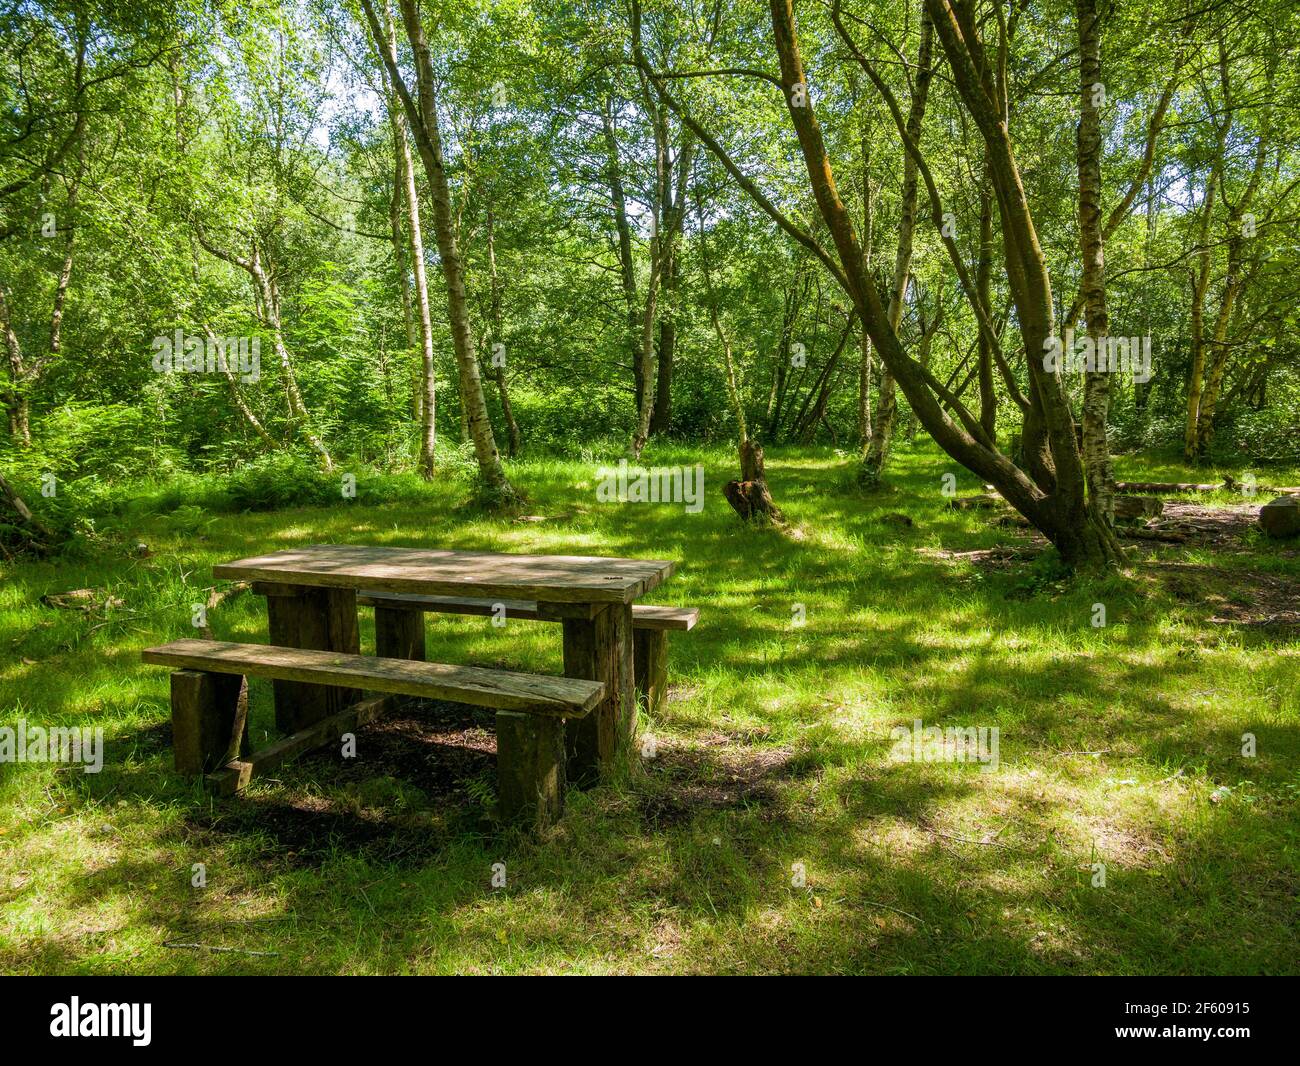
column 399, row 634
column 530, row 768
column 321, row 620
column 600, row 649
column 205, row 711
column 650, row 659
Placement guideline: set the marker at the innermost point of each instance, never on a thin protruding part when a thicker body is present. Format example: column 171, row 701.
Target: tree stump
column 749, row 497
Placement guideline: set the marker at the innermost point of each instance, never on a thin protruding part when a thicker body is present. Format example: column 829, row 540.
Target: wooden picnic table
column 311, row 598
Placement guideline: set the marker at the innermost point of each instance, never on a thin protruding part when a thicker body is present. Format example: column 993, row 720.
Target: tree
column 423, row 119
column 1052, row 494
column 406, row 195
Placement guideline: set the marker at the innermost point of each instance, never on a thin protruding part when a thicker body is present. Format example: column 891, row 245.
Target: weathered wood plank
column 530, row 768
column 648, row 616
column 236, row 774
column 553, row 578
column 564, row 697
column 469, row 605
column 600, row 649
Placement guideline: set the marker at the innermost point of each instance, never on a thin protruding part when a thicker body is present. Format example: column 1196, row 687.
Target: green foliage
column 282, row 479
column 112, row 442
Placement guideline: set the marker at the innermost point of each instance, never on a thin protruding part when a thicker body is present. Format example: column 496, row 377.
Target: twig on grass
column 967, row 840
column 213, row 947
column 258, row 921
column 887, row 907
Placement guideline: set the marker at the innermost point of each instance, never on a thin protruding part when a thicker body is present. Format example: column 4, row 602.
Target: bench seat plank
column 648, row 616
column 447, row 604
column 644, row 616
column 508, row 690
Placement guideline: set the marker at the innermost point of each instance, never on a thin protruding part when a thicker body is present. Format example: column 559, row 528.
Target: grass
column 1119, row 745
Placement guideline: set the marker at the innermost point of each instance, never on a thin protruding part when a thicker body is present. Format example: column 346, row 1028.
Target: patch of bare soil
column 1220, row 528
column 1228, row 596
column 1003, row 557
column 433, row 747
column 1235, row 597
column 708, row 773
column 408, row 787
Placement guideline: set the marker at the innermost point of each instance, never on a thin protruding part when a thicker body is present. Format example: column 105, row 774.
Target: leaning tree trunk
column 36, row 534
column 1061, row 512
column 882, row 429
column 16, row 401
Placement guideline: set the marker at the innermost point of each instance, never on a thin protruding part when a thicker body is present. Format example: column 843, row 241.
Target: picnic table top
column 434, row 572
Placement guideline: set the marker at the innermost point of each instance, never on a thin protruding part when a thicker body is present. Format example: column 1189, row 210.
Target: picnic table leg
column 301, row 616
column 530, row 768
column 598, row 647
column 650, row 662
column 399, row 633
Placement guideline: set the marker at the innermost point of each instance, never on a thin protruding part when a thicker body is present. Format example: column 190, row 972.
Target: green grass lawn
column 1119, row 745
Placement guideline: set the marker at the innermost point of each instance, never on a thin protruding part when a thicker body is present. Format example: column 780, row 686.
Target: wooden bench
column 399, row 630
column 210, row 729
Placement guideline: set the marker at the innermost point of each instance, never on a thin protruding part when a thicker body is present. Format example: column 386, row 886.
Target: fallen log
column 1159, row 487
column 1131, row 508
column 35, row 533
column 970, row 503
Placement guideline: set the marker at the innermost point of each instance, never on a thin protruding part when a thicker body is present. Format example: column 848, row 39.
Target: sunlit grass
column 1119, row 745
